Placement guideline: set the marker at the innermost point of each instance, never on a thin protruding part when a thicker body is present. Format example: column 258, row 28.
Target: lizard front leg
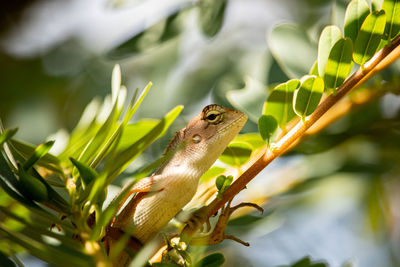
column 218, row 233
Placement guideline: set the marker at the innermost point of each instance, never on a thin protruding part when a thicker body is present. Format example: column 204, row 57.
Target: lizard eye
column 214, row 116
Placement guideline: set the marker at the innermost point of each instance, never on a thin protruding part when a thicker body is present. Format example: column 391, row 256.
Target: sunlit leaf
column 87, row 174
column 253, row 139
column 369, row 37
column 329, row 36
column 212, row 173
column 339, row 64
column 135, row 131
column 211, row 16
column 279, row 102
column 392, row 11
column 376, row 5
column 236, row 154
column 39, row 152
column 124, row 157
column 267, row 126
column 285, row 41
column 314, row 69
column 309, row 94
column 6, row 135
column 356, row 12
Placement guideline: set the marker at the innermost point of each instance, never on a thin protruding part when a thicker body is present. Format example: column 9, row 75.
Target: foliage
column 50, row 198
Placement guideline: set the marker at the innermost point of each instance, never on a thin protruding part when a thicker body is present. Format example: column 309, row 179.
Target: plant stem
column 381, row 60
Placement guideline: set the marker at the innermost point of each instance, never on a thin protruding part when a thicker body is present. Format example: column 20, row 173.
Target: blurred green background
column 343, row 204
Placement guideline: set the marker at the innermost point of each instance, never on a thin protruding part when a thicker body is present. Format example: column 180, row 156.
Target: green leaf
column 38, row 153
column 135, row 131
column 250, row 98
column 160, row 32
column 392, row 11
column 267, row 126
column 369, row 37
column 339, row 64
column 376, row 5
column 279, row 102
column 307, row 97
column 329, row 36
column 356, row 12
column 253, row 139
column 26, row 150
column 292, row 49
column 47, row 252
column 87, row 174
column 236, row 154
column 222, row 182
column 211, row 16
column 211, row 173
column 126, row 156
column 314, row 69
column 31, row 187
column 213, row 260
column 6, row 135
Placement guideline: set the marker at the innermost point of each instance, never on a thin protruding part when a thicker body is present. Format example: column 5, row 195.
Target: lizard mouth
column 237, row 123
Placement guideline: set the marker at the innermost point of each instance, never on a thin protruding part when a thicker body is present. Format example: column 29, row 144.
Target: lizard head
column 208, row 134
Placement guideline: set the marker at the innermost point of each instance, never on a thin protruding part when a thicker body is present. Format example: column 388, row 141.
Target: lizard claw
column 218, row 234
column 198, row 219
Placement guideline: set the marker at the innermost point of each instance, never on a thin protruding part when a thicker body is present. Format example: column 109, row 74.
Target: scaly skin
column 193, row 150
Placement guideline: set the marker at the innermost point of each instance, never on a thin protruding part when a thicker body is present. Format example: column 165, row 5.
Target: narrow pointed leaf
column 124, row 157
column 31, row 187
column 356, row 12
column 87, row 174
column 307, row 97
column 6, row 135
column 267, row 126
column 329, row 36
column 38, row 153
column 369, row 37
column 279, row 102
column 392, row 11
column 339, row 64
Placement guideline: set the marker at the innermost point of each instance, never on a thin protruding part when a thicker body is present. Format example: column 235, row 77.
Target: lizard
column 193, row 150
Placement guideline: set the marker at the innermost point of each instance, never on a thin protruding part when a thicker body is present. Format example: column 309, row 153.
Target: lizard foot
column 218, row 234
column 197, row 220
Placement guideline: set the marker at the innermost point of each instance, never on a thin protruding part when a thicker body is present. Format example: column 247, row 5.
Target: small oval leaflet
column 329, row 36
column 236, row 154
column 267, row 126
column 279, row 102
column 307, row 97
column 356, row 12
column 284, row 41
column 369, row 37
column 223, row 182
column 339, row 64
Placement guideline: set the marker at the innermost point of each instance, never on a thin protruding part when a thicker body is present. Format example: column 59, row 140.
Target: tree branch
column 381, row 60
